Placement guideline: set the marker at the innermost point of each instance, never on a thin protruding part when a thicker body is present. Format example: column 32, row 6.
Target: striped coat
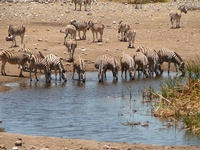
column 122, row 28
column 176, row 15
column 12, row 57
column 71, row 46
column 56, row 64
column 130, row 34
column 169, row 56
column 39, row 62
column 127, row 64
column 153, row 58
column 79, row 66
column 16, row 31
column 105, row 62
column 142, row 63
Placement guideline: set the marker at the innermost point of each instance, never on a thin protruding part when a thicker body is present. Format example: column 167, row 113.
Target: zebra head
column 182, row 67
column 90, row 23
column 183, row 9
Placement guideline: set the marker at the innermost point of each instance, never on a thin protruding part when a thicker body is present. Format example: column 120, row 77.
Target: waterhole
column 108, row 111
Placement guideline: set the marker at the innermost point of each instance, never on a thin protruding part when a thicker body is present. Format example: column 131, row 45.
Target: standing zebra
column 71, row 46
column 39, row 62
column 56, row 64
column 169, row 56
column 153, row 58
column 122, row 28
column 16, row 31
column 176, row 15
column 11, row 57
column 142, row 63
column 130, row 34
column 105, row 62
column 127, row 63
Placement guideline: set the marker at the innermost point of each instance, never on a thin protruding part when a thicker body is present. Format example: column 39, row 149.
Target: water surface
column 98, row 111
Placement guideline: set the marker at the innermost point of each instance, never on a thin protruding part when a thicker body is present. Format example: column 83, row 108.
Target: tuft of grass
column 180, row 97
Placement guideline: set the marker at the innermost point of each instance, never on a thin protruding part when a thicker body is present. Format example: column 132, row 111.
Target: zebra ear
column 41, row 55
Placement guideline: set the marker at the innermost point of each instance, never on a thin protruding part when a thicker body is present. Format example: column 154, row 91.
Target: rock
column 9, row 38
column 15, row 148
column 18, row 143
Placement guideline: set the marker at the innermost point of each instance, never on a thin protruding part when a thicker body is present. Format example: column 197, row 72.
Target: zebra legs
column 3, row 69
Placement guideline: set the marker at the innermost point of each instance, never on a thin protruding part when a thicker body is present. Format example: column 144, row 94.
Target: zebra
column 39, row 62
column 96, row 28
column 12, row 57
column 122, row 28
column 56, row 64
column 130, row 34
column 176, row 15
column 127, row 63
column 69, row 29
column 138, row 2
column 31, row 52
column 80, row 26
column 79, row 2
column 142, row 63
column 79, row 66
column 169, row 56
column 105, row 62
column 153, row 58
column 16, row 31
column 71, row 45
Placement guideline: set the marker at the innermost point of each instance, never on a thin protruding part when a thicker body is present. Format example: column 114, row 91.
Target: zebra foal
column 79, row 66
column 14, row 31
column 39, row 62
column 11, row 57
column 176, row 15
column 55, row 63
column 169, row 56
column 127, row 64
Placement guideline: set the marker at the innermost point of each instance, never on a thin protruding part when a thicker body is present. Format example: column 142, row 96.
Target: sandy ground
column 44, row 22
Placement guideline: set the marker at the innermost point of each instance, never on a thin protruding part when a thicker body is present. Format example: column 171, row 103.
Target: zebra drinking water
column 105, row 62
column 56, row 64
column 39, row 62
column 153, row 58
column 79, row 66
column 169, row 56
column 127, row 64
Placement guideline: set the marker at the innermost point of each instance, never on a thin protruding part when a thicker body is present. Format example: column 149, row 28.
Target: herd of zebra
column 145, row 59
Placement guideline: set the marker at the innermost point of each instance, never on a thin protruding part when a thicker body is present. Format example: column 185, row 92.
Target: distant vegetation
column 144, row 1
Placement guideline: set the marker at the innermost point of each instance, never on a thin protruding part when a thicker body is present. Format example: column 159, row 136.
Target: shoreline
column 8, row 140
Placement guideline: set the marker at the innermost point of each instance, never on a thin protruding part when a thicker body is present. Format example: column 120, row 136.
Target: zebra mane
column 178, row 56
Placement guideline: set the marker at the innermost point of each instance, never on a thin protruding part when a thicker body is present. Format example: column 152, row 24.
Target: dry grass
column 180, row 98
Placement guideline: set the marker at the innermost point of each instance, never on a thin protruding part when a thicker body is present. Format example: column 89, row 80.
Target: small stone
column 18, row 143
column 15, row 148
column 39, row 40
